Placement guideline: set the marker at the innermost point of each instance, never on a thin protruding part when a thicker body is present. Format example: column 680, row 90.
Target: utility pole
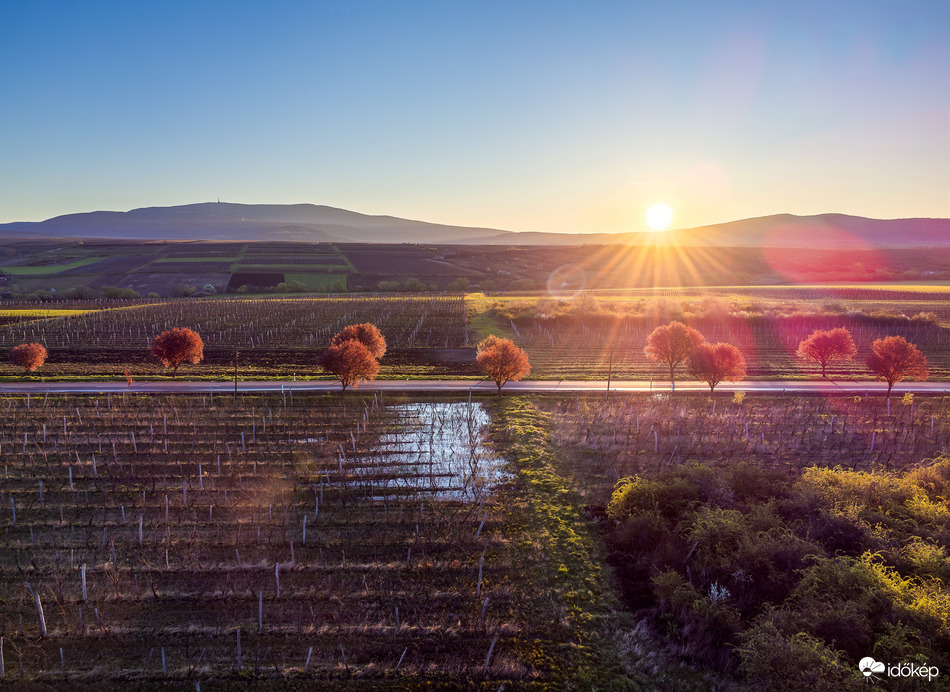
column 236, row 354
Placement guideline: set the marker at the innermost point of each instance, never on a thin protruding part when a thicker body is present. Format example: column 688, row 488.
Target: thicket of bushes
column 788, row 581
column 591, row 311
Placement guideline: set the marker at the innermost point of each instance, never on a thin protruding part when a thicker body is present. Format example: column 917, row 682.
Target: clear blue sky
column 560, row 116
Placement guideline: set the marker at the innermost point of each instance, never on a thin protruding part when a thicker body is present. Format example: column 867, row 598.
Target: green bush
column 925, row 559
column 771, row 660
column 811, row 571
column 707, row 624
column 649, row 541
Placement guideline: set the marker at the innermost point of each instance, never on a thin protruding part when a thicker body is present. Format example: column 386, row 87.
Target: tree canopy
column 713, row 363
column 367, row 334
column 28, row 356
column 671, row 344
column 177, row 346
column 892, row 359
column 501, row 360
column 350, row 362
column 354, row 353
column 827, row 345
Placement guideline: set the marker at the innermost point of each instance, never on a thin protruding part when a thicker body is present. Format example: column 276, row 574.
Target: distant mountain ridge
column 318, row 223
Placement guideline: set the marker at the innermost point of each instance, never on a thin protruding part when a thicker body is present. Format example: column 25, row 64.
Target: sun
column 659, row 217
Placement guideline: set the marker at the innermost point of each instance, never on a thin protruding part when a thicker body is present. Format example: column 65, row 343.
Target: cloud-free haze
column 550, row 116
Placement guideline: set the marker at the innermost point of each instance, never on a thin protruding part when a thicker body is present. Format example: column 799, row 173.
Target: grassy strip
column 176, row 260
column 314, row 281
column 483, row 320
column 41, row 313
column 49, row 268
column 561, row 558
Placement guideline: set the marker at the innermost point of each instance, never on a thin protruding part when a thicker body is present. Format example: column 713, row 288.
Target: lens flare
column 566, row 281
column 659, row 217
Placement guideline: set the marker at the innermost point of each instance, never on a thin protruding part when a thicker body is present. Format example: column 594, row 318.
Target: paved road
column 536, row 386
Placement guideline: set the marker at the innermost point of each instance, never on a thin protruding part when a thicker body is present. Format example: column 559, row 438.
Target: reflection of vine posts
column 473, row 430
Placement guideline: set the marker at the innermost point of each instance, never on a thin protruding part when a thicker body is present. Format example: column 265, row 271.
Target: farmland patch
column 239, row 279
column 184, row 540
column 313, row 280
column 331, row 260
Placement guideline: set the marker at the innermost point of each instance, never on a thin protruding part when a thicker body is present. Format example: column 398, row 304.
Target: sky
column 520, row 115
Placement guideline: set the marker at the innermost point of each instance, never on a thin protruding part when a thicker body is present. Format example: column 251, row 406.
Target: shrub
column 669, row 496
column 634, row 496
column 649, row 540
column 113, row 292
column 706, row 623
column 717, row 535
column 771, row 660
column 926, row 559
column 933, row 479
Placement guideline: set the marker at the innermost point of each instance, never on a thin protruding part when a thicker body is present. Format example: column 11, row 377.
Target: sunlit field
column 365, row 541
column 389, row 540
column 577, row 335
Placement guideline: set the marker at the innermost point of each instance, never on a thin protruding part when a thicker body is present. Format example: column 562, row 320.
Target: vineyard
column 595, row 333
column 623, row 436
column 364, row 540
column 164, row 539
column 592, row 336
column 588, row 349
column 274, row 336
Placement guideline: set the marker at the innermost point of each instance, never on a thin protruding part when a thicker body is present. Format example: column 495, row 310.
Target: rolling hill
column 316, row 223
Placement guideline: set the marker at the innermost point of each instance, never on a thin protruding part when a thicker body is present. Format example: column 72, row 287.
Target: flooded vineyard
column 331, row 536
column 433, row 449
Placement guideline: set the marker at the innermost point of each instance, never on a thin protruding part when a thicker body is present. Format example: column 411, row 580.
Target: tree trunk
column 499, row 385
column 672, row 381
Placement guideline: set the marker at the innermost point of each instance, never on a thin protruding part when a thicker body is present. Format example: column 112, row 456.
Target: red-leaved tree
column 893, row 358
column 350, row 362
column 28, row 356
column 177, row 346
column 671, row 344
column 827, row 345
column 501, row 360
column 713, row 363
column 367, row 334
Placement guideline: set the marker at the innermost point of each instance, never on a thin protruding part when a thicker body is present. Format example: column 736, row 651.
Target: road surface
column 464, row 386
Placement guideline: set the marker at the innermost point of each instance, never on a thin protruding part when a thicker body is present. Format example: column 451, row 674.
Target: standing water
column 434, row 448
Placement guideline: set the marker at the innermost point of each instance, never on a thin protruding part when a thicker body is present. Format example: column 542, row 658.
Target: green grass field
column 175, row 260
column 313, row 281
column 49, row 269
